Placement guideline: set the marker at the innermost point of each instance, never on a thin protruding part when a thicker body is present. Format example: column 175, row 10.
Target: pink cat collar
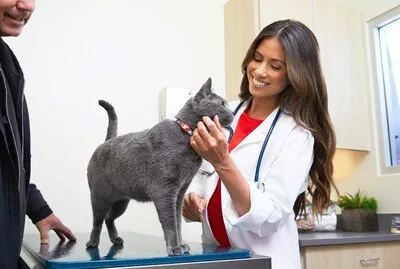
column 184, row 126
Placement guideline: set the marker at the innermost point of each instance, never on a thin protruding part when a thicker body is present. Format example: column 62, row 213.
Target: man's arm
column 42, row 216
column 36, row 208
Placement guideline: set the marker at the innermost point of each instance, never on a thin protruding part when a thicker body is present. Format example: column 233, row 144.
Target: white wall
column 76, row 52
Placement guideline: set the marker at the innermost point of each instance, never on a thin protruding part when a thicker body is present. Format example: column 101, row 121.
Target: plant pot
column 359, row 220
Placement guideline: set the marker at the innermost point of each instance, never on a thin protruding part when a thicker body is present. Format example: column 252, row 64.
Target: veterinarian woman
column 248, row 192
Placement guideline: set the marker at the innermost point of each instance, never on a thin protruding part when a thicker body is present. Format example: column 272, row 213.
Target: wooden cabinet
column 339, row 30
column 242, row 24
column 384, row 255
column 340, row 33
column 301, row 10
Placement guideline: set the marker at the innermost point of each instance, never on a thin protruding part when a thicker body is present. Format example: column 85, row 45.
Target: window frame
column 378, row 90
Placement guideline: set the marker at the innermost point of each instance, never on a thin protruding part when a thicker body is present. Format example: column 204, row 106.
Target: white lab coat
column 269, row 227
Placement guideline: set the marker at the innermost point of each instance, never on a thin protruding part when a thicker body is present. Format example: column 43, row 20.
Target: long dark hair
column 305, row 99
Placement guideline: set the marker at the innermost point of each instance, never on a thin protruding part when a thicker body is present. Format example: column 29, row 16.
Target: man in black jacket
column 17, row 196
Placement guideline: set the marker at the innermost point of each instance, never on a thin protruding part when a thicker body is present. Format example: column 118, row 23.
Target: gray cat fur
column 155, row 164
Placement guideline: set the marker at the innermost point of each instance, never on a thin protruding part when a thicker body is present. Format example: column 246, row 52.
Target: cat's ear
column 206, row 88
column 204, row 91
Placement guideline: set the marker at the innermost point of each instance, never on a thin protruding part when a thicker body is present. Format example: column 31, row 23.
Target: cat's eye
column 222, row 103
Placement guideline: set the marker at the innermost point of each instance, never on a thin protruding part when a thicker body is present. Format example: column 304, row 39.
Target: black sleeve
column 36, row 208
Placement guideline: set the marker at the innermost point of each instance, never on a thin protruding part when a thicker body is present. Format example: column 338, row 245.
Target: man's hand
column 53, row 223
column 193, row 207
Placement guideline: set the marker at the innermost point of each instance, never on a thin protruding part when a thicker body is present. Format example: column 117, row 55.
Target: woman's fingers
column 203, row 132
column 197, row 141
column 188, row 214
column 215, row 128
column 217, row 123
column 192, row 207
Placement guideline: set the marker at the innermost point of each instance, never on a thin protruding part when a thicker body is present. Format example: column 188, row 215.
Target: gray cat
column 156, row 165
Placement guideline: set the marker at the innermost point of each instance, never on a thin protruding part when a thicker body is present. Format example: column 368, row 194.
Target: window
column 389, row 49
column 383, row 45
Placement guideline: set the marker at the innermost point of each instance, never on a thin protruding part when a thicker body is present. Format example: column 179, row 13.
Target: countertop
column 307, row 239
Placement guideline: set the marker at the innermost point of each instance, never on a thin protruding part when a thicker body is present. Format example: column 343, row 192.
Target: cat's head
column 207, row 103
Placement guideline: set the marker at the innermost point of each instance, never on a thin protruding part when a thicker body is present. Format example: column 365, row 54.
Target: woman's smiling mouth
column 258, row 83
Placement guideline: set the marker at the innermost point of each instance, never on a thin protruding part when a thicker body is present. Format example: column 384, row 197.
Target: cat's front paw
column 185, row 248
column 175, row 251
column 92, row 244
column 118, row 241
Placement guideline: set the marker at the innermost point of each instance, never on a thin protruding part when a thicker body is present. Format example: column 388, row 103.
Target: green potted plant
column 358, row 212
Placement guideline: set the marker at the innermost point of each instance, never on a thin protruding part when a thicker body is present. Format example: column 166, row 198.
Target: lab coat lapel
column 259, row 134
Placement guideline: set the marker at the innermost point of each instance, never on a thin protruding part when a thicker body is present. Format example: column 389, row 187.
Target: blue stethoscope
column 260, row 185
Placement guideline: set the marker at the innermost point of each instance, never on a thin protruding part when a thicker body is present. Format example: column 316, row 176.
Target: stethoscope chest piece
column 261, row 186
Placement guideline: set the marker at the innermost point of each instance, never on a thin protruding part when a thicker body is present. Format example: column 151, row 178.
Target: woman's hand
column 213, row 147
column 212, row 144
column 193, row 207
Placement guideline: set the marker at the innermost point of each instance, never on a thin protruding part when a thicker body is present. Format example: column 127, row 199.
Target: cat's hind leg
column 166, row 210
column 99, row 208
column 179, row 203
column 116, row 210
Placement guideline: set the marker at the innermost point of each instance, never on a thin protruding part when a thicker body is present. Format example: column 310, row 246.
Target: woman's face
column 267, row 72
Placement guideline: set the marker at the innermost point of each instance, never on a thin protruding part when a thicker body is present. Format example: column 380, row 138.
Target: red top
column 244, row 127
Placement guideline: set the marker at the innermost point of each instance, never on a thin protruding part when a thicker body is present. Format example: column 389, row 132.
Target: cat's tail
column 112, row 119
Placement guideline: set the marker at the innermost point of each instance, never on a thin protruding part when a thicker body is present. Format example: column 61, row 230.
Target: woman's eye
column 274, row 67
column 258, row 60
